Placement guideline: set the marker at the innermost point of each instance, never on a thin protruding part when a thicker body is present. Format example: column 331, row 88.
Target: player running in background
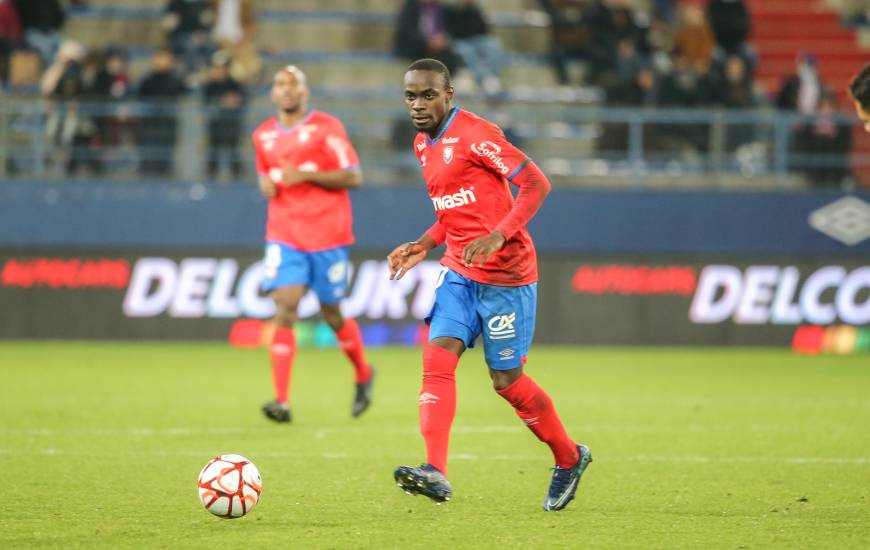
column 860, row 90
column 306, row 164
column 488, row 286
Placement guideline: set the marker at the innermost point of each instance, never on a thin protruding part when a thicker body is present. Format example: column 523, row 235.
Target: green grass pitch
column 100, row 446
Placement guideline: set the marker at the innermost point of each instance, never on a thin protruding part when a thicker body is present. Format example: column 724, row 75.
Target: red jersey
column 467, row 168
column 306, row 216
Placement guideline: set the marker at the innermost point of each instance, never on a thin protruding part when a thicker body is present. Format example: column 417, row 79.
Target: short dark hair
column 428, row 64
column 860, row 88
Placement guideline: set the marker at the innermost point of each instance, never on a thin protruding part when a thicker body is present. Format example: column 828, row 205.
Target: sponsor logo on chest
column 491, row 152
column 461, row 198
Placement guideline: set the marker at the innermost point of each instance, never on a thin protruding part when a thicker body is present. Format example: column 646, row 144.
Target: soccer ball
column 229, row 486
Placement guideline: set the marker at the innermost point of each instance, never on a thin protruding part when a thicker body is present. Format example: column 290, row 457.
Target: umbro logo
column 421, row 146
column 427, row 399
column 846, row 220
column 531, row 421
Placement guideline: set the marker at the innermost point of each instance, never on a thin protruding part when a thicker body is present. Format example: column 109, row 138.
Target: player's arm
column 347, row 178
column 534, row 188
column 341, row 154
column 264, row 181
column 407, row 255
column 267, row 187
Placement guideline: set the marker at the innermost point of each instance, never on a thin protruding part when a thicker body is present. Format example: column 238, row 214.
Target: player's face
column 863, row 115
column 427, row 99
column 288, row 94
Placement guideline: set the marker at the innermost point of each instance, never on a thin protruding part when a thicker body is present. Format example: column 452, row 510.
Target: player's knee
column 453, row 345
column 285, row 315
column 501, row 379
column 332, row 316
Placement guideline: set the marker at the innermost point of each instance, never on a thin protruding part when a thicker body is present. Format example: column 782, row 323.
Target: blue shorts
column 504, row 315
column 324, row 272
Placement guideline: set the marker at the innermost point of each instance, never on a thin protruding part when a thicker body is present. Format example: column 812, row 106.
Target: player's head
column 290, row 90
column 860, row 90
column 428, row 93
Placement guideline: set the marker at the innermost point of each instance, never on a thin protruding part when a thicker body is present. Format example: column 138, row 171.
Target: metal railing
column 188, row 141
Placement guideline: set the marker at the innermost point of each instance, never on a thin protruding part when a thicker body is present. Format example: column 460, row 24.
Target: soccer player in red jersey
column 306, row 164
column 488, row 286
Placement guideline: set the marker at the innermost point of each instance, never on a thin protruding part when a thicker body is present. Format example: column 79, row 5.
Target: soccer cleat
column 425, row 480
column 363, row 397
column 279, row 412
column 566, row 480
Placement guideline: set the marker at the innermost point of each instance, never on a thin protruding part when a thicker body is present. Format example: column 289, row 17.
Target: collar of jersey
column 284, row 130
column 453, row 112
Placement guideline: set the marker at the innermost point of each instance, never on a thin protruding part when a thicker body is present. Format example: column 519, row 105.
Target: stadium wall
column 101, row 261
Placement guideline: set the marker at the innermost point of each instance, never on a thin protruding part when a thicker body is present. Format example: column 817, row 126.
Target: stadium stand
column 345, row 47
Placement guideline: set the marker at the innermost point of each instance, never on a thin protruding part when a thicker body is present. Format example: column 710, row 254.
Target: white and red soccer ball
column 229, row 486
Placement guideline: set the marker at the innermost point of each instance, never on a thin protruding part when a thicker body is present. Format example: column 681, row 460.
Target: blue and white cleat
column 566, row 480
column 425, row 480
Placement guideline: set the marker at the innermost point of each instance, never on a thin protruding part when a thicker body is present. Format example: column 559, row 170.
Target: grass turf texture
column 100, row 446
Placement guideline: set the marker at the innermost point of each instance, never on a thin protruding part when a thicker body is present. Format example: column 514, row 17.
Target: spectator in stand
column 730, row 22
column 156, row 131
column 801, row 90
column 112, row 82
column 10, row 38
column 682, row 88
column 733, row 90
column 421, row 31
column 614, row 30
column 694, row 37
column 822, row 145
column 225, row 104
column 110, row 88
column 69, row 128
column 41, row 21
column 479, row 49
column 570, row 34
column 188, row 24
column 641, row 90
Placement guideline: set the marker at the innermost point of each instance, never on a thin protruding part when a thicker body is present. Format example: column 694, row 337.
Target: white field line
column 321, row 432
column 683, row 459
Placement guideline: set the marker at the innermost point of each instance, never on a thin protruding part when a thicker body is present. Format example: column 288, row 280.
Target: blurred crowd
column 681, row 54
column 208, row 52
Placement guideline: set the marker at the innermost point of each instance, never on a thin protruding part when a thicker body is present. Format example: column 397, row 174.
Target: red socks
column 283, row 350
column 437, row 403
column 351, row 343
column 536, row 409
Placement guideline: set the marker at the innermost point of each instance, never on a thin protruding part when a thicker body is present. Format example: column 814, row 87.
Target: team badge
column 448, row 154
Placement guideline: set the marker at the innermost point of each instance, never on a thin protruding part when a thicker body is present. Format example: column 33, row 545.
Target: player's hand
column 268, row 188
column 290, row 175
column 482, row 248
column 404, row 257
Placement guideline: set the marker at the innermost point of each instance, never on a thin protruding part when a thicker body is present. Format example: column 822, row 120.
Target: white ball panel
column 238, row 511
column 220, row 507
